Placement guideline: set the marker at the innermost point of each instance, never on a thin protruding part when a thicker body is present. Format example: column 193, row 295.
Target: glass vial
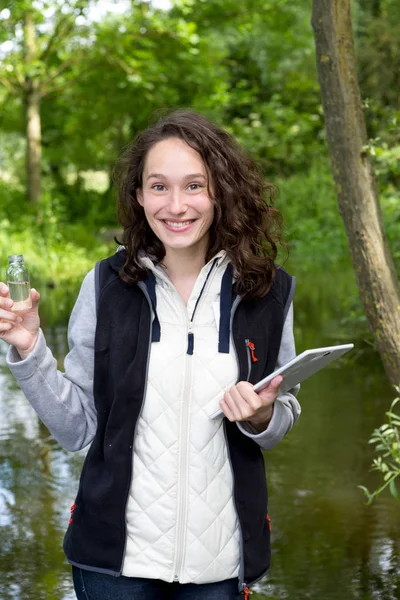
column 18, row 283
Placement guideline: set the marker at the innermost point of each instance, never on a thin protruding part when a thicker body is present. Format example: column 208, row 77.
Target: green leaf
column 389, row 431
column 393, row 489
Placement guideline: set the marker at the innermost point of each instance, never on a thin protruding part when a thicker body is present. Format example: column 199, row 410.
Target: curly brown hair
column 246, row 225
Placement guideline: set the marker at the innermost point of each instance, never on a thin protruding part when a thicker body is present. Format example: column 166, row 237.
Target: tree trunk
column 355, row 179
column 33, row 143
column 32, row 115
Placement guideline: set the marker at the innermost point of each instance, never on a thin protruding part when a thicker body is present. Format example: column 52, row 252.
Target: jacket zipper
column 181, row 512
column 182, row 470
column 145, row 292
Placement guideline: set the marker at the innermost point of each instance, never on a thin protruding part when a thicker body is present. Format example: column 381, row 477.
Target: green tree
column 42, row 60
column 354, row 178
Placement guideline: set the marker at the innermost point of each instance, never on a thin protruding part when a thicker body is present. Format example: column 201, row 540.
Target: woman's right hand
column 19, row 328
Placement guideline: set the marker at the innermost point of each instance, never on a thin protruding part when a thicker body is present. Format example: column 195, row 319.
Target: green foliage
column 313, row 229
column 385, row 153
column 272, row 99
column 386, row 440
column 58, row 253
column 250, row 66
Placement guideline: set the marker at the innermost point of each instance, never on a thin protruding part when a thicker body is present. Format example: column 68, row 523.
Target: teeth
column 178, row 225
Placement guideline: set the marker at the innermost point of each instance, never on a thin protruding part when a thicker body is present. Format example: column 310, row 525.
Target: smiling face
column 175, row 197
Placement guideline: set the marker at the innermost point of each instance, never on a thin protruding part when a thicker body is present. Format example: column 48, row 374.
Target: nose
column 177, row 204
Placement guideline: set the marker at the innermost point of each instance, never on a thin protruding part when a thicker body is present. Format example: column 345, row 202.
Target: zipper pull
column 190, row 347
column 246, row 593
column 252, row 349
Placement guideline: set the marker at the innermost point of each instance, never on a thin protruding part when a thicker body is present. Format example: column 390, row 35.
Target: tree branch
column 11, row 86
column 123, row 65
column 60, row 88
column 56, row 33
column 46, row 85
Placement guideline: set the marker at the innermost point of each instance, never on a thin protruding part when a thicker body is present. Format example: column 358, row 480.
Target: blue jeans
column 97, row 586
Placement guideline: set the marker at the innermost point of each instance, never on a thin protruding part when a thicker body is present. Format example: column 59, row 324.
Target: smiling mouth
column 178, row 224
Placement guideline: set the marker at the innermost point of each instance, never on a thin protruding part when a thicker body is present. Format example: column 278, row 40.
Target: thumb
column 273, row 387
column 35, row 297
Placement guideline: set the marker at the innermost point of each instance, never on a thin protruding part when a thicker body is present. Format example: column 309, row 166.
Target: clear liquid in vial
column 20, row 293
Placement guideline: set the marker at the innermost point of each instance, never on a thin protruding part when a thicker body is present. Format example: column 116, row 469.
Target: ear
column 139, row 196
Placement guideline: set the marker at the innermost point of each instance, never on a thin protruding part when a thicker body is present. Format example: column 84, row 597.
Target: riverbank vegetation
column 386, row 441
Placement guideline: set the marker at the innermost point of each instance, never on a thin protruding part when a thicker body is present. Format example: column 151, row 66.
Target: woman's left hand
column 240, row 403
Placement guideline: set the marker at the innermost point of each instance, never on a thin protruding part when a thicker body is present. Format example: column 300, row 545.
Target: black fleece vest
column 95, row 539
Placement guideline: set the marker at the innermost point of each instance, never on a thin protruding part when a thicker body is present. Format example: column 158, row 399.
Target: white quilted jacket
column 181, row 519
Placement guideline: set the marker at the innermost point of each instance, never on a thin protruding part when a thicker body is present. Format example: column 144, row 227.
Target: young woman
column 182, row 320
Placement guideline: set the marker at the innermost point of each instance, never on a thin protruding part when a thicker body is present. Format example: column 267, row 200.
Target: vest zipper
column 146, row 294
column 251, row 357
column 181, row 511
column 248, row 360
column 242, row 583
column 243, row 586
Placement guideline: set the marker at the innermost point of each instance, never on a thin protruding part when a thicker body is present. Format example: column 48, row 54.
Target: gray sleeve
column 286, row 408
column 64, row 401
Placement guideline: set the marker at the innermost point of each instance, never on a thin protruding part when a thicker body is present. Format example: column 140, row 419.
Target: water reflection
column 327, row 545
column 35, row 493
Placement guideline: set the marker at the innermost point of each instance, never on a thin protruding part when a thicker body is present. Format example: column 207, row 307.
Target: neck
column 185, row 264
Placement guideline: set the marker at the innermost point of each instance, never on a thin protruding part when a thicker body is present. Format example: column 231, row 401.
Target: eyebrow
column 161, row 176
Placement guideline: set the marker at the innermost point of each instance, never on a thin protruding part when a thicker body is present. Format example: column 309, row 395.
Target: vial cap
column 15, row 258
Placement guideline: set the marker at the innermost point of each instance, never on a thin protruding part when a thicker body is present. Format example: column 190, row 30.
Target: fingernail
column 4, row 289
column 19, row 320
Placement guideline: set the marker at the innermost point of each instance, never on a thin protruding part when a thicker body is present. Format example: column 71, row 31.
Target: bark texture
column 355, row 179
column 33, row 142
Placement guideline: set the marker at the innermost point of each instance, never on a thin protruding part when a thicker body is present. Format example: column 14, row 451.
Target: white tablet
column 300, row 368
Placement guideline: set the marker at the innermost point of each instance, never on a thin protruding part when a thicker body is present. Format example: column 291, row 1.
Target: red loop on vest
column 247, row 593
column 269, row 523
column 252, row 349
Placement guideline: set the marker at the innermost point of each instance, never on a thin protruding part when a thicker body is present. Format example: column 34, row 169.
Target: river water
column 327, row 544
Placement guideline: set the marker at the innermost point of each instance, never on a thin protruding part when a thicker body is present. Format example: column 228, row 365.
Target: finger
column 226, row 410
column 245, row 397
column 4, row 327
column 6, row 303
column 3, row 289
column 8, row 315
column 238, row 407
